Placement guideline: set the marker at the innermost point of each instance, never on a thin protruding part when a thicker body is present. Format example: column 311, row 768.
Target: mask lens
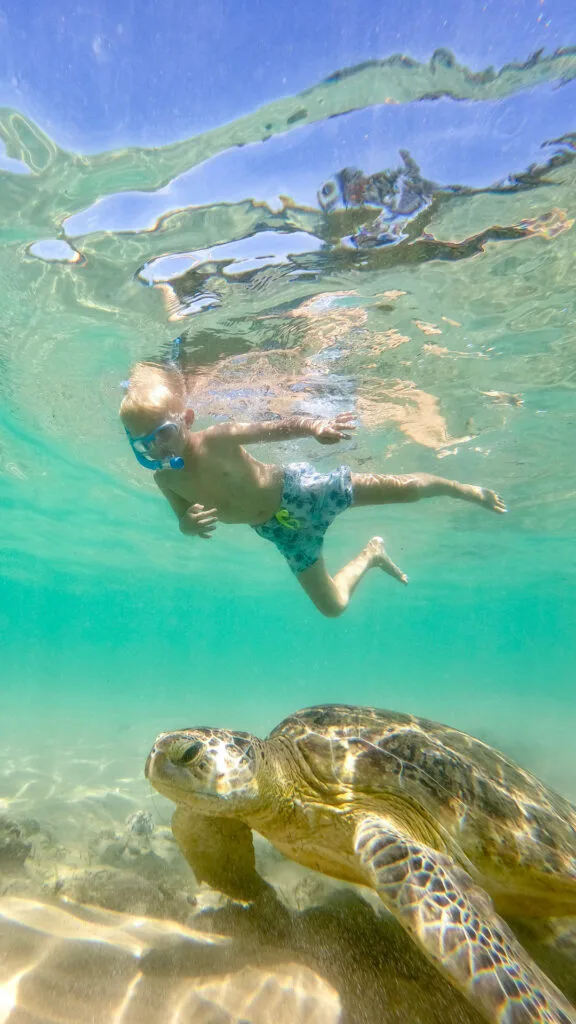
column 161, row 437
column 165, row 435
column 153, row 449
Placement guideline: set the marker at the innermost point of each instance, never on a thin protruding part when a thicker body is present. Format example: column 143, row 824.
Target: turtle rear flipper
column 454, row 922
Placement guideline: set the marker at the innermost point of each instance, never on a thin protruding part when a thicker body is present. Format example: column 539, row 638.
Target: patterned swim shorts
column 310, row 502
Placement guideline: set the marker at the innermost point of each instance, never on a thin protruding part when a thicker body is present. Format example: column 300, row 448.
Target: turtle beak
column 158, row 760
column 154, row 763
column 160, row 769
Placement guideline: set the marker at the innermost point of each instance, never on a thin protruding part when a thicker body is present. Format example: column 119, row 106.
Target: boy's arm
column 325, row 431
column 193, row 520
column 179, row 505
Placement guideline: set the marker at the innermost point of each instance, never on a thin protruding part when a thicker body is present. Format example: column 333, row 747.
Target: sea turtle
column 448, row 831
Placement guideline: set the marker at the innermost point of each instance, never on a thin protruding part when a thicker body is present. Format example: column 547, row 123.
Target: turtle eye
column 191, row 752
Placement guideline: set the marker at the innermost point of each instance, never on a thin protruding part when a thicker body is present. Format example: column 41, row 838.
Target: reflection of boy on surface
column 207, row 475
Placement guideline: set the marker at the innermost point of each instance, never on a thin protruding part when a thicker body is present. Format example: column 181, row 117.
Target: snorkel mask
column 144, row 446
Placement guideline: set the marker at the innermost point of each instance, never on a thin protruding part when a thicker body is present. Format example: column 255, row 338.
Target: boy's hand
column 198, row 521
column 332, row 431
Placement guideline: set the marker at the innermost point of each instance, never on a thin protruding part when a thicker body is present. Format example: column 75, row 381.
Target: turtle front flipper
column 454, row 922
column 220, row 852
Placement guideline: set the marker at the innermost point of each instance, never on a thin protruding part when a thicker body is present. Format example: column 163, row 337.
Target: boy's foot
column 482, row 496
column 381, row 559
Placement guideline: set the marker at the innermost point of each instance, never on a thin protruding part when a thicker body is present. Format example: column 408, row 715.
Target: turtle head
column 213, row 770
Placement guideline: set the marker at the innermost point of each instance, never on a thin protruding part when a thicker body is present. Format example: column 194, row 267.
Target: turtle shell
column 493, row 808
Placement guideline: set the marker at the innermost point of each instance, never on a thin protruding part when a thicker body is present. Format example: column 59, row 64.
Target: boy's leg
column 377, row 489
column 332, row 594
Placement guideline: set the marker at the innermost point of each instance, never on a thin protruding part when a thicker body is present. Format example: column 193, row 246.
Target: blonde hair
column 154, row 389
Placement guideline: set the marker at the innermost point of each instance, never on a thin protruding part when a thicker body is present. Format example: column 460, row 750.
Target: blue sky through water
column 134, row 71
column 126, row 73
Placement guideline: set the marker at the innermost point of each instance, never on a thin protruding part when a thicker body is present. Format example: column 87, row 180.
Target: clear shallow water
column 397, row 240
column 435, row 300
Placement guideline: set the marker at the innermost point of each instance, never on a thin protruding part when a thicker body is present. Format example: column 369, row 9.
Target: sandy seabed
column 102, row 921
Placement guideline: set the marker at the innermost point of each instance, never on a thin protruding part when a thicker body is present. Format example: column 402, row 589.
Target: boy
column 208, row 476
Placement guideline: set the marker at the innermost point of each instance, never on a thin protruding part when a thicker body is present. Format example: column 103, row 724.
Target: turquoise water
column 449, row 329
column 443, row 315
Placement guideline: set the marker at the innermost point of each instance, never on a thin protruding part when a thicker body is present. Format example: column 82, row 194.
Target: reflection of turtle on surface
column 445, row 829
column 400, row 193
